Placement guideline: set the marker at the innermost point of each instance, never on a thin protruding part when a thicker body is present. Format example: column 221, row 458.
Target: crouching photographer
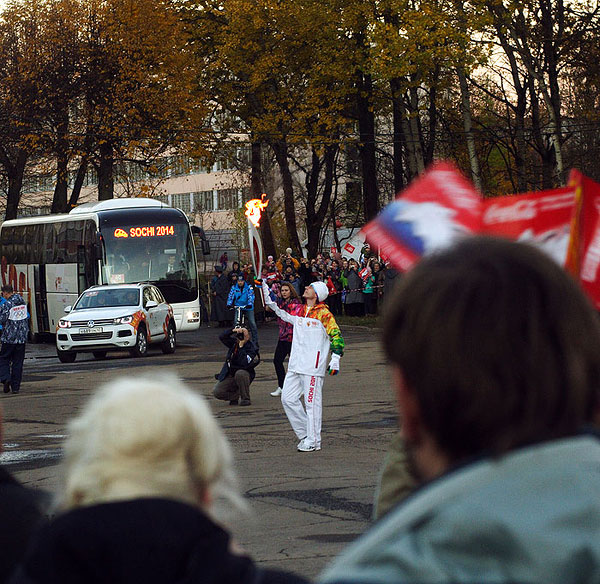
column 238, row 370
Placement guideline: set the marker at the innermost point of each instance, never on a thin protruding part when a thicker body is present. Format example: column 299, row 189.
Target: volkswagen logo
column 90, row 323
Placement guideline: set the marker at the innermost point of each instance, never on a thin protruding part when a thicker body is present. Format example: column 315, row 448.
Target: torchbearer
column 315, row 332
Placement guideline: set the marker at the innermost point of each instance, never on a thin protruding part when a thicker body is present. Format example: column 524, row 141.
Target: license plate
column 89, row 331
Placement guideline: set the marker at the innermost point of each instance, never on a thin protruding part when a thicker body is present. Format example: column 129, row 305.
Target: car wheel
column 99, row 354
column 170, row 342
column 141, row 343
column 66, row 356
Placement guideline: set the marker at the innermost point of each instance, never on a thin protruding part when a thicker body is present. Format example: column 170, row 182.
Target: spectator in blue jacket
column 241, row 296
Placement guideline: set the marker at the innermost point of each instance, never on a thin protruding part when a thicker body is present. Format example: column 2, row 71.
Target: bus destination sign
column 146, row 231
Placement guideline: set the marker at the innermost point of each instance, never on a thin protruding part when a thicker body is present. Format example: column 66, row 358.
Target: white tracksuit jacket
column 313, row 336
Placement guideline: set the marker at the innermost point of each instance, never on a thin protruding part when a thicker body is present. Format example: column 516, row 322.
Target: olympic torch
column 254, row 209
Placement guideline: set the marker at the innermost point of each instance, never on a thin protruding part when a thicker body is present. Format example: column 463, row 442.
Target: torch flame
column 254, row 209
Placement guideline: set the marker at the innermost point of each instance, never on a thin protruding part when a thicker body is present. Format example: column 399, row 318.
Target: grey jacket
column 355, row 285
column 530, row 516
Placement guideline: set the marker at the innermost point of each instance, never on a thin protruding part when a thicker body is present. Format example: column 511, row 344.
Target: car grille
column 91, row 336
column 99, row 322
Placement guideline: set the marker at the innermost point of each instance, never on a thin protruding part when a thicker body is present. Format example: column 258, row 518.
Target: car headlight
column 193, row 314
column 64, row 323
column 124, row 319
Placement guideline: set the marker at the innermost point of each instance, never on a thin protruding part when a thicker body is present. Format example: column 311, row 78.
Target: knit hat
column 321, row 290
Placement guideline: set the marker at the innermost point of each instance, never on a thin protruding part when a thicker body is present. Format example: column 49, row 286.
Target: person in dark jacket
column 15, row 329
column 219, row 289
column 142, row 464
column 21, row 514
column 390, row 278
column 354, row 295
column 238, row 372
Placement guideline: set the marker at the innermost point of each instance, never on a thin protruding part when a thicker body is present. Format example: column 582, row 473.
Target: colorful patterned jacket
column 14, row 320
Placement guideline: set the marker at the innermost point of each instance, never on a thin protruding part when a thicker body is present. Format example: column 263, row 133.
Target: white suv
column 108, row 318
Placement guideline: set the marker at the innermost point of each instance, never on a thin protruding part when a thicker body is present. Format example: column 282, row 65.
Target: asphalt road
column 304, row 507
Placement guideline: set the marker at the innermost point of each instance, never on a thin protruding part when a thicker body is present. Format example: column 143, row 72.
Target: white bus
column 51, row 259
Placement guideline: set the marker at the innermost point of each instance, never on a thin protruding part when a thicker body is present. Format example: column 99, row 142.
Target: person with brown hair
column 289, row 301
column 495, row 356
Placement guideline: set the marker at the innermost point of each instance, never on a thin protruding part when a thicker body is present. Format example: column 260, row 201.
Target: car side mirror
column 68, row 309
column 151, row 304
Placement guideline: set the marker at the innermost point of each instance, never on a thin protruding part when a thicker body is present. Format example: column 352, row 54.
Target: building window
column 181, row 201
column 202, row 201
column 228, row 199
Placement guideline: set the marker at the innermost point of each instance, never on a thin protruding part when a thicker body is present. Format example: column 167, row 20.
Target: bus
column 51, row 259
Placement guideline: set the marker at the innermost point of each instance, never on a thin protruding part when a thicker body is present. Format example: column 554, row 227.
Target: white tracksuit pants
column 304, row 423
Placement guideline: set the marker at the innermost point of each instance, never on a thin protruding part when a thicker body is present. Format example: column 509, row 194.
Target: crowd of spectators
column 356, row 287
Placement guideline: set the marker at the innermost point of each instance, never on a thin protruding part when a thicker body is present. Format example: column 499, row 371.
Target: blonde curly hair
column 146, row 437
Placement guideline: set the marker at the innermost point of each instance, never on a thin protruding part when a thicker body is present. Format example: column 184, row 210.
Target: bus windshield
column 158, row 248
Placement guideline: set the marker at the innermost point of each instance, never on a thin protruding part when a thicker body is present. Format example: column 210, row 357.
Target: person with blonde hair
column 144, row 463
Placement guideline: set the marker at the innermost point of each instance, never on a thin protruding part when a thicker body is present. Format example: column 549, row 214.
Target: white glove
column 334, row 364
column 267, row 295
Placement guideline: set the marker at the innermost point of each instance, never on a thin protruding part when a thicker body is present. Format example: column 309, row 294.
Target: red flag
column 430, row 214
column 585, row 257
column 542, row 218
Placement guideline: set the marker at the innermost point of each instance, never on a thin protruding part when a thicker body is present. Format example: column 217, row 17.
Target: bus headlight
column 124, row 319
column 64, row 324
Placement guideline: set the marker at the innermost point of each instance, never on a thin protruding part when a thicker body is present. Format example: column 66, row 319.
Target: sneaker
column 15, row 391
column 304, row 446
column 245, row 402
column 301, row 442
column 6, row 384
column 277, row 392
column 234, row 402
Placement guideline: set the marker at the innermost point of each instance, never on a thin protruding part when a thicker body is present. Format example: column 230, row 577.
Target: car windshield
column 107, row 298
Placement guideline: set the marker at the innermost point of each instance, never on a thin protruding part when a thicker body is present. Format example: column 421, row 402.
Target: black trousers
column 12, row 356
column 335, row 303
column 370, row 302
column 281, row 352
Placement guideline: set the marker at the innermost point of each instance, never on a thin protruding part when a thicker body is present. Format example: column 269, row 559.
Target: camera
column 239, row 336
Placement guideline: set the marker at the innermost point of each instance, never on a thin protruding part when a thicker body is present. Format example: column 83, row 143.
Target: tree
column 20, row 90
column 138, row 86
column 272, row 66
